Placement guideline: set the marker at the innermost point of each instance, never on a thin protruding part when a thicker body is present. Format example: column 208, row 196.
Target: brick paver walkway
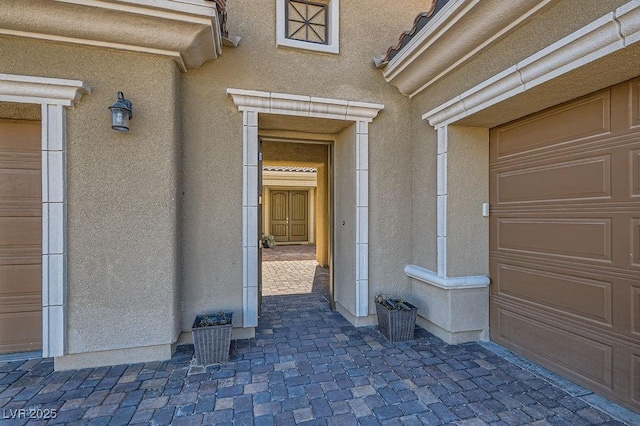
column 287, row 253
column 293, row 270
column 306, row 364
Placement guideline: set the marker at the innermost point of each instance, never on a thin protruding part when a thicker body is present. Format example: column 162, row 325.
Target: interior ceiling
column 301, row 124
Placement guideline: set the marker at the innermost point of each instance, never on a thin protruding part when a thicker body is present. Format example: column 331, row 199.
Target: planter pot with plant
column 268, row 240
column 396, row 318
column 212, row 337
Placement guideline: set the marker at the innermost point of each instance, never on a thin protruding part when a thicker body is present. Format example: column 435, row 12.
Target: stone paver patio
column 307, row 364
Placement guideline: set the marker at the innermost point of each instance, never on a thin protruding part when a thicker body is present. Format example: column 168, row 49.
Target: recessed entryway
column 347, row 123
column 295, row 212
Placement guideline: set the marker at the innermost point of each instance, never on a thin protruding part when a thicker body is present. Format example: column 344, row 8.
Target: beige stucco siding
column 122, row 188
column 212, row 138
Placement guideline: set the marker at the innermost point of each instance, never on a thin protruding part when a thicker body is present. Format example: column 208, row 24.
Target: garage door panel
column 588, row 239
column 635, row 173
column 25, row 184
column 20, row 135
column 20, row 331
column 635, row 243
column 588, row 358
column 21, row 231
column 582, row 179
column 558, row 291
column 635, row 104
column 587, row 118
column 20, row 279
column 565, row 240
column 635, row 310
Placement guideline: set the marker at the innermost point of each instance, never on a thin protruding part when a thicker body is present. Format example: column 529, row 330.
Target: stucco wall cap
column 446, row 283
column 281, row 103
column 41, row 90
column 605, row 36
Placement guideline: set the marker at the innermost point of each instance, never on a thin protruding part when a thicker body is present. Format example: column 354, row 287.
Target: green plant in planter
column 268, row 240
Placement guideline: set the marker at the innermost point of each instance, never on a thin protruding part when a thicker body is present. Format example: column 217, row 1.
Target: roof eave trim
column 203, row 42
column 455, row 42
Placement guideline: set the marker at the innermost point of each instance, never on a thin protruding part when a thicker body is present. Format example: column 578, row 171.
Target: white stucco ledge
column 454, row 309
column 615, row 32
column 446, row 283
column 303, row 106
column 40, row 90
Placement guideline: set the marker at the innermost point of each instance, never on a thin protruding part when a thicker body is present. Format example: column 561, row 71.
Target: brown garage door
column 565, row 240
column 20, row 236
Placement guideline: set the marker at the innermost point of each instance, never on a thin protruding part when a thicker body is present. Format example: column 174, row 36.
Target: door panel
column 564, row 240
column 20, row 236
column 279, row 215
column 298, row 216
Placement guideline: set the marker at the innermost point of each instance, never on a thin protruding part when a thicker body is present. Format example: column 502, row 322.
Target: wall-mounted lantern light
column 122, row 112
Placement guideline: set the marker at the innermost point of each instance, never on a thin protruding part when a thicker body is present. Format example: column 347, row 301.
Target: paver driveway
column 306, row 364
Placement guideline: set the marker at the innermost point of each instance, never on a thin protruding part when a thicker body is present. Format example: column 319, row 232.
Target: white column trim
column 252, row 103
column 609, row 34
column 442, row 200
column 362, row 219
column 53, row 95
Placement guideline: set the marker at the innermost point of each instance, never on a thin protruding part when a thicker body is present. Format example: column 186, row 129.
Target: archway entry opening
column 303, row 117
column 295, row 213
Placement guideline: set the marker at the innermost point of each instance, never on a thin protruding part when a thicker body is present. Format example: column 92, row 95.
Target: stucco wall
column 560, row 20
column 122, row 188
column 212, row 140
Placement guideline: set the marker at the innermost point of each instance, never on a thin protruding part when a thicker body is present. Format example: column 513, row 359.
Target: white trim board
column 53, row 95
column 252, row 103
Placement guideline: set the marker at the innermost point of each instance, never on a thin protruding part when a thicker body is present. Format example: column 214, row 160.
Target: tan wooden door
column 565, row 240
column 289, row 216
column 298, row 206
column 280, row 215
column 20, row 236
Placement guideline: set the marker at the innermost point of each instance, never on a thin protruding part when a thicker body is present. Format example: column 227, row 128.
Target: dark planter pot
column 397, row 325
column 212, row 343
